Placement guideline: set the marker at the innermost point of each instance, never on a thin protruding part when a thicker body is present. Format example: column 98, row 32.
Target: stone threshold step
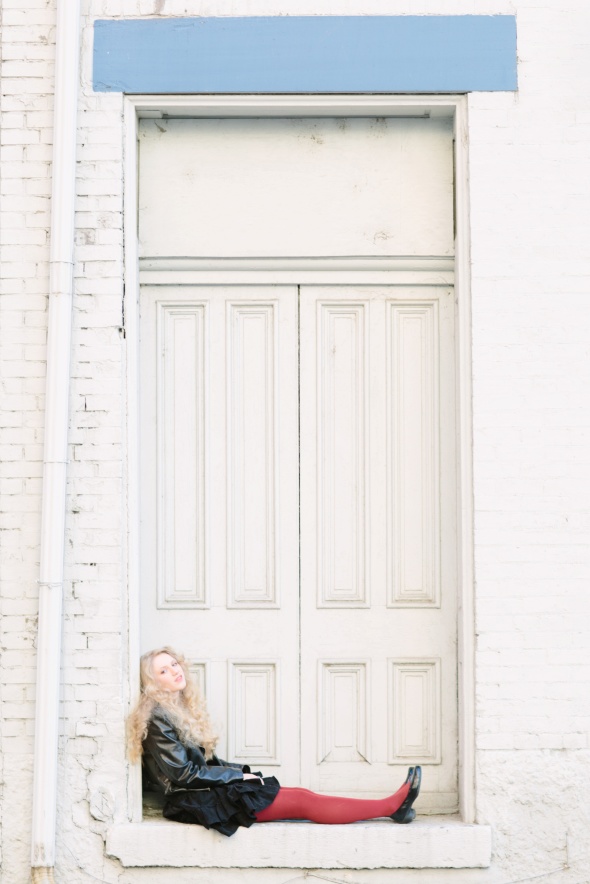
column 427, row 843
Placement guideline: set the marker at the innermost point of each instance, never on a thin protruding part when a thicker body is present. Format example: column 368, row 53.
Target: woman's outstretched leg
column 301, row 804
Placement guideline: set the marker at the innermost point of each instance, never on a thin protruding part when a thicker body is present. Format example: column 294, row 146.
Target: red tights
column 301, row 804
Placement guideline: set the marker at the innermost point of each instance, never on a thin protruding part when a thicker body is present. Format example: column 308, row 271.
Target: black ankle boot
column 406, row 813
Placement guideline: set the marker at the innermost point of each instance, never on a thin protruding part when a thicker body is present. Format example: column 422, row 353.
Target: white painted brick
column 26, row 68
column 28, row 203
column 90, row 729
column 42, row 152
column 39, row 186
column 105, row 642
column 11, row 728
column 12, row 186
column 12, row 119
column 28, row 607
column 13, row 153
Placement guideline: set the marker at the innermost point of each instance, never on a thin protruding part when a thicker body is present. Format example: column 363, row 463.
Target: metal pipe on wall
column 61, row 266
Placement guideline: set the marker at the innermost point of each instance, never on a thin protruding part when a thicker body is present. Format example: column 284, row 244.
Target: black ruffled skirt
column 223, row 808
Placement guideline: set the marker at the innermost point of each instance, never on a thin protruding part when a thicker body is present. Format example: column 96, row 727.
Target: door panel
column 378, row 572
column 220, row 504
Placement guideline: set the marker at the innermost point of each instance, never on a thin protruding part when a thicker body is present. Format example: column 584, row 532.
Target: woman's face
column 168, row 673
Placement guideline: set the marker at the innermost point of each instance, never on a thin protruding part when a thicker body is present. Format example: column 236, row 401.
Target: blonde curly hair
column 186, row 709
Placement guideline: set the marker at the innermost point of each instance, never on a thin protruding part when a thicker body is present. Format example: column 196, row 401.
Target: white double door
column 298, row 523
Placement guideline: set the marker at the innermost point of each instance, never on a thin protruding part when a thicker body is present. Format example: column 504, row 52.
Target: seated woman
column 170, row 727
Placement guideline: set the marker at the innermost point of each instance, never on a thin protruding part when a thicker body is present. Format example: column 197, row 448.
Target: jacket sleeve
column 245, row 768
column 172, row 758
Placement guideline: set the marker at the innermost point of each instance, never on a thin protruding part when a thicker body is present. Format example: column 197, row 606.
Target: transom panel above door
column 374, row 186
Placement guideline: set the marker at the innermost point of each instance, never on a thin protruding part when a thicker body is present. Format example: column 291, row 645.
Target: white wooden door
column 340, row 676
column 378, row 571
column 220, row 511
column 359, row 657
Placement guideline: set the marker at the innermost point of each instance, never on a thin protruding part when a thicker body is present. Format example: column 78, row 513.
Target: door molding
column 455, row 107
column 369, row 270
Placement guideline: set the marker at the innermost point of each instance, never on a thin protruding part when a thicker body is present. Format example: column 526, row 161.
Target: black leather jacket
column 170, row 766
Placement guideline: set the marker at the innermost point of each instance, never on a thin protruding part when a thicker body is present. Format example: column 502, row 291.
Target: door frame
column 136, row 107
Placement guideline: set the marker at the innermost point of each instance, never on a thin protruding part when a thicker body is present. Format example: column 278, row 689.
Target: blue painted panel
column 460, row 53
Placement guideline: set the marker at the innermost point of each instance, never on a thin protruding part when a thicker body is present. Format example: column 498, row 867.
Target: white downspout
column 61, row 267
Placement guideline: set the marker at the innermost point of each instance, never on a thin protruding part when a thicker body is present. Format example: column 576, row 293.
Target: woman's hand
column 251, row 776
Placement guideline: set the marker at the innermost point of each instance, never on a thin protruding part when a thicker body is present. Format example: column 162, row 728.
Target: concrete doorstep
column 429, row 843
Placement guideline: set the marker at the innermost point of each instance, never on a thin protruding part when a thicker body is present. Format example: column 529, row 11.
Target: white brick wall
column 25, row 133
column 530, row 192
column 531, row 321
